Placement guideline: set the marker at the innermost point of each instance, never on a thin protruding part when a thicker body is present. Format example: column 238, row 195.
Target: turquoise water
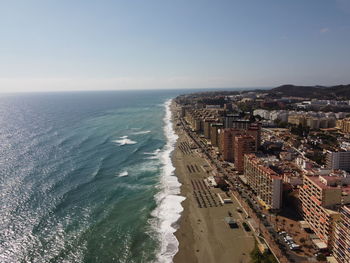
column 85, row 177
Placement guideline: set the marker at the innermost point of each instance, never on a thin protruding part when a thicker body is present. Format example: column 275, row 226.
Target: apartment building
column 341, row 244
column 214, row 133
column 265, row 182
column 241, row 124
column 297, row 120
column 311, row 121
column 226, row 143
column 243, row 144
column 338, row 160
column 320, row 197
column 229, row 119
column 344, row 125
column 227, row 137
column 206, row 127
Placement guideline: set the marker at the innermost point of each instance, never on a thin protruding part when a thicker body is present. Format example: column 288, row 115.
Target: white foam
column 168, row 200
column 140, row 132
column 156, row 152
column 124, row 141
column 123, row 174
column 153, row 155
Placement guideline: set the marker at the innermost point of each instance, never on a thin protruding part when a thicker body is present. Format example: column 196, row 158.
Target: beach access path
column 203, row 235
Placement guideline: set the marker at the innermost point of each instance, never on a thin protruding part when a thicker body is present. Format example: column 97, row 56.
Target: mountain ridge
column 324, row 92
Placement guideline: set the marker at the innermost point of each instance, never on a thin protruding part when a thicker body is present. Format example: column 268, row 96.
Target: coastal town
column 265, row 174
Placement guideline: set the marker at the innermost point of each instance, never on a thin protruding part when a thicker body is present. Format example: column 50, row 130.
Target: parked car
column 294, row 247
column 246, row 227
column 232, row 223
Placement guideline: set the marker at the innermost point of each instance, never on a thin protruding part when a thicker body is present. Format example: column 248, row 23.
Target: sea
column 87, row 177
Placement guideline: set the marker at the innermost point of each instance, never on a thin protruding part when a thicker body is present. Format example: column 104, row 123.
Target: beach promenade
column 204, row 236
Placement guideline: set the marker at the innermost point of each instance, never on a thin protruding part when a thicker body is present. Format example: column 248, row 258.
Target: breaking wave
column 124, row 141
column 168, row 199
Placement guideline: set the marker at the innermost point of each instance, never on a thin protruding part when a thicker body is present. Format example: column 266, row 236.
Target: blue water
column 80, row 175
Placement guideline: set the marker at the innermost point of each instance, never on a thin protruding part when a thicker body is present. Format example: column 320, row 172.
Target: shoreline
column 168, row 199
column 202, row 233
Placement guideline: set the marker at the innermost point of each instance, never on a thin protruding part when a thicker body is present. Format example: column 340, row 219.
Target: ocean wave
column 153, row 155
column 123, row 174
column 123, row 140
column 140, row 132
column 168, row 200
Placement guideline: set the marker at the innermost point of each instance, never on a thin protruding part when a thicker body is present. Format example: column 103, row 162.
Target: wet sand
column 203, row 234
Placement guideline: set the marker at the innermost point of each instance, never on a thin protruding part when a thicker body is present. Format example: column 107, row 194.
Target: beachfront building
column 243, row 144
column 321, row 196
column 341, row 246
column 227, row 138
column 194, row 118
column 265, row 182
column 226, row 147
column 199, row 117
column 207, row 126
column 214, row 133
column 338, row 160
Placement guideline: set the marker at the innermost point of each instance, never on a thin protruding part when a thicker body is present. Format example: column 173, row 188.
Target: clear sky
column 111, row 44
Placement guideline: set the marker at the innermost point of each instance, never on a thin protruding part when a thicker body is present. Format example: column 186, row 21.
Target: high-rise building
column 227, row 137
column 255, row 131
column 341, row 244
column 214, row 133
column 228, row 107
column 226, row 146
column 338, row 160
column 229, row 118
column 241, row 124
column 243, row 144
column 265, row 182
column 206, row 127
column 320, row 197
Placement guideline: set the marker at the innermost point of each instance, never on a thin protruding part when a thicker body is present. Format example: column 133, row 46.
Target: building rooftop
column 330, row 182
column 320, row 183
column 263, row 161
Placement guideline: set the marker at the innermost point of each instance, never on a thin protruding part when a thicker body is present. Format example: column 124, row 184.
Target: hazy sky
column 83, row 44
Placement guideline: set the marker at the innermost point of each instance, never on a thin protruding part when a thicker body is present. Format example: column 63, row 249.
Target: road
column 248, row 197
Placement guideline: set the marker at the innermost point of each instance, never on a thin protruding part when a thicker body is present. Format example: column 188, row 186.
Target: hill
column 319, row 92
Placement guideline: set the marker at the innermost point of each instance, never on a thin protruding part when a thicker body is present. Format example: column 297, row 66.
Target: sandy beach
column 203, row 235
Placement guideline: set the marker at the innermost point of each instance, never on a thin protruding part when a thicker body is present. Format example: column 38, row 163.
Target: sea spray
column 124, row 141
column 169, row 207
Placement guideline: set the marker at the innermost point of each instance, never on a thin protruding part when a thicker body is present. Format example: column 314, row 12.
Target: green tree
column 321, row 257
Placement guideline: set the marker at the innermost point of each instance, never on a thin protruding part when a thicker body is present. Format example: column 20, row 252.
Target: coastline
column 202, row 233
column 169, row 198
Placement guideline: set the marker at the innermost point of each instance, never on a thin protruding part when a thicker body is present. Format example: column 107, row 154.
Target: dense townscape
column 285, row 158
